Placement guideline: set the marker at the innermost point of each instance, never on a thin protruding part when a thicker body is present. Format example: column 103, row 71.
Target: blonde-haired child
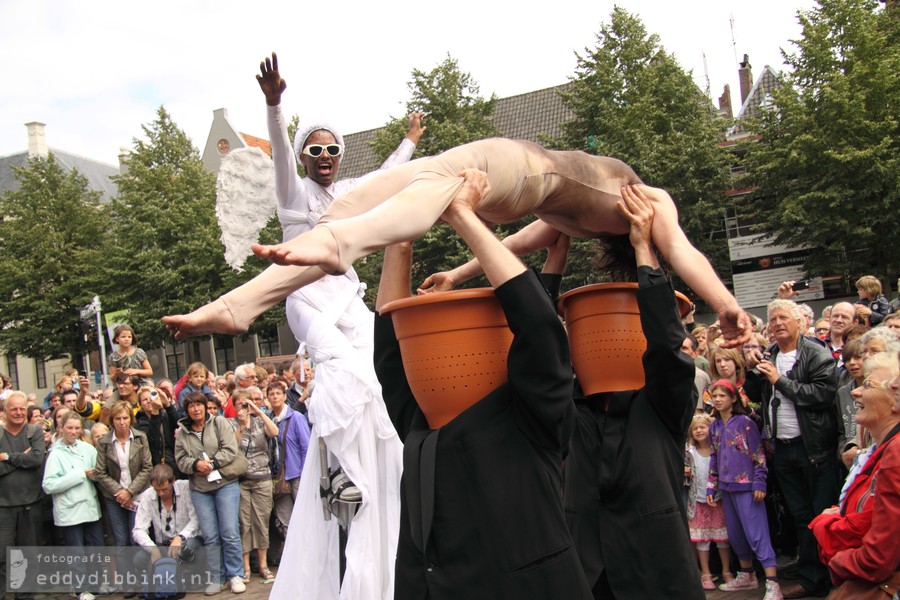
column 706, row 521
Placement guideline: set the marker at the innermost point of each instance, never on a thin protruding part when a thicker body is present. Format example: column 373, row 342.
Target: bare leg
column 335, row 243
column 692, row 266
column 725, row 557
column 235, row 311
column 703, row 556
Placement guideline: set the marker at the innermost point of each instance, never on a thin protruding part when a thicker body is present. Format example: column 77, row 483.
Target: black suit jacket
column 625, row 469
column 481, row 511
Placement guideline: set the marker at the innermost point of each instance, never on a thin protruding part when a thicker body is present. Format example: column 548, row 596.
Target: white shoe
column 86, row 596
column 237, row 585
column 342, row 489
column 213, row 589
column 773, row 591
column 743, row 581
column 107, row 588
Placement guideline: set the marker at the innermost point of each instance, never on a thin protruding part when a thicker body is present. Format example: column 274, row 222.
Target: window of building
column 224, row 349
column 40, row 372
column 268, row 342
column 175, row 360
column 12, row 370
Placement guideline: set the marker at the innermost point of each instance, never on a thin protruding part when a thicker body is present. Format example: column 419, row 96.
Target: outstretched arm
column 693, row 267
column 534, row 236
column 290, row 194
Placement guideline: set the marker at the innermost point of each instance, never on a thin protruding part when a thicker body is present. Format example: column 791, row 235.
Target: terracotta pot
column 454, row 347
column 605, row 336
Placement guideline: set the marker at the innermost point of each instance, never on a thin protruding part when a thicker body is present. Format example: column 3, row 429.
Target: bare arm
column 395, row 281
column 693, row 267
column 534, row 236
column 557, row 255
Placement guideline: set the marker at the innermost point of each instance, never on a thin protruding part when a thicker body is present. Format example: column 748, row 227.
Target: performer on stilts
column 364, row 454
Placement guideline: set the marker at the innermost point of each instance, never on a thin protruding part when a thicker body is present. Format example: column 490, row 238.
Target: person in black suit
column 625, row 469
column 481, row 504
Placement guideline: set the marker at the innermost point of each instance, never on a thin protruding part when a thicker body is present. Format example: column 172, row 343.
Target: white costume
column 348, row 412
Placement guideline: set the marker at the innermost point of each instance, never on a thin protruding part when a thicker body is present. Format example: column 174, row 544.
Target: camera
column 153, row 394
column 801, row 285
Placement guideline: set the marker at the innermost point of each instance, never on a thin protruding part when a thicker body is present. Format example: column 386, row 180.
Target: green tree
column 826, row 166
column 455, row 114
column 633, row 101
column 51, row 236
column 166, row 256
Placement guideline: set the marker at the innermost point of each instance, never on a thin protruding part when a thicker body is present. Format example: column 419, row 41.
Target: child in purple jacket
column 737, row 469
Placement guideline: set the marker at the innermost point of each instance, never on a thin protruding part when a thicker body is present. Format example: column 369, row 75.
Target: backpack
column 162, row 580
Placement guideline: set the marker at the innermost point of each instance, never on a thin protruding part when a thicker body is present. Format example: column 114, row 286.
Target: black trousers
column 19, row 526
column 808, row 490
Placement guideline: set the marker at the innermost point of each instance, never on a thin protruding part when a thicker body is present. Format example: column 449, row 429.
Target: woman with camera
column 253, row 430
column 158, row 419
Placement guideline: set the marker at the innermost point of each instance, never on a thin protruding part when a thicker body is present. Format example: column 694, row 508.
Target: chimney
column 37, row 143
column 746, row 77
column 123, row 160
column 725, row 103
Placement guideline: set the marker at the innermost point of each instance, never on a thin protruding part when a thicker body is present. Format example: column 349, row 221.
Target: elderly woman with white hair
column 880, row 339
column 858, row 538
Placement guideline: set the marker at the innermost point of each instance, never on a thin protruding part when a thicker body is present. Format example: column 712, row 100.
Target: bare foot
column 316, row 247
column 214, row 317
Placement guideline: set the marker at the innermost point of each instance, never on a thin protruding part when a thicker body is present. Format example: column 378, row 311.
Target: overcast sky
column 95, row 71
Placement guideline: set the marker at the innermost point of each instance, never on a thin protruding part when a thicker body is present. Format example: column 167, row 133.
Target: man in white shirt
column 165, row 521
column 796, row 382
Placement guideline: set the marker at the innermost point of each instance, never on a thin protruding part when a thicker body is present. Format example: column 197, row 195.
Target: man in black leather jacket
column 796, row 382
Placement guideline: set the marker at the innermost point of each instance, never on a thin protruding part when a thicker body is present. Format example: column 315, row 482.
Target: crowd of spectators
column 215, row 460
column 824, row 395
column 156, row 465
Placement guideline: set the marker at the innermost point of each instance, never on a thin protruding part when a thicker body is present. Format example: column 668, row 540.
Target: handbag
column 280, row 486
column 238, row 466
column 857, row 589
column 235, row 468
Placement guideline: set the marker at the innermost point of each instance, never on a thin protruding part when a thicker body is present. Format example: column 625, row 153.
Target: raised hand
column 270, row 81
column 638, row 209
column 416, row 129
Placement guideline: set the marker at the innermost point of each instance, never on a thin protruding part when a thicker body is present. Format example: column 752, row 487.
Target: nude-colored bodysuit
column 569, row 190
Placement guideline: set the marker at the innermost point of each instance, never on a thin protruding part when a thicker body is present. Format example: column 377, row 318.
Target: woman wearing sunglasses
column 332, row 320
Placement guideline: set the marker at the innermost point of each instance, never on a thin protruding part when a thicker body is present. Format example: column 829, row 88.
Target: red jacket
column 862, row 543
